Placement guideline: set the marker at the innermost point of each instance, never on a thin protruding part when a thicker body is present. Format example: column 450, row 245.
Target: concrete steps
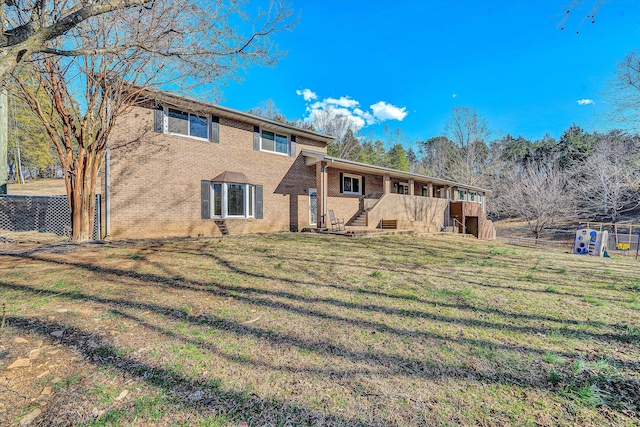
column 360, row 220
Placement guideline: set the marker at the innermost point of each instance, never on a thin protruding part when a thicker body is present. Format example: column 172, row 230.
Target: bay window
column 233, row 200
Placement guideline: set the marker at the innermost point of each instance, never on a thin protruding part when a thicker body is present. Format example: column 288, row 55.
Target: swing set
column 626, row 237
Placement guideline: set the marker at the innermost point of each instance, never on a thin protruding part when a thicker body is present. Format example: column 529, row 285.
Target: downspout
column 4, row 136
column 107, row 192
column 324, row 195
column 107, row 177
column 4, row 114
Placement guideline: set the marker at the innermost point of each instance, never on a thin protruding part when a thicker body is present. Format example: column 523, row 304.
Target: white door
column 313, row 206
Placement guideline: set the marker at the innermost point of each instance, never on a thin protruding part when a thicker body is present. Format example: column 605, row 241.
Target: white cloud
column 585, row 101
column 343, row 101
column 454, row 95
column 307, row 94
column 384, row 111
column 349, row 108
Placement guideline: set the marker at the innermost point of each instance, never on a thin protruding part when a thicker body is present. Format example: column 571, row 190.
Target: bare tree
column 330, row 122
column 269, row 110
column 437, row 153
column 608, row 181
column 623, row 93
column 97, row 73
column 468, row 131
column 537, row 193
column 29, row 25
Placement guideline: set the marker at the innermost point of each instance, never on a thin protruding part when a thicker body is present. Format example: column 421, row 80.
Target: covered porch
column 370, row 197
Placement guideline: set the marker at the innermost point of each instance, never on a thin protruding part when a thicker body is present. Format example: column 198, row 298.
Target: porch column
column 454, row 196
column 321, row 186
column 411, row 187
column 430, row 190
column 387, row 183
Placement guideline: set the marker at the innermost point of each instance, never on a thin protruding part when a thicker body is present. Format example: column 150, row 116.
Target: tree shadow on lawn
column 392, row 365
column 496, row 274
column 235, row 405
column 244, row 294
column 461, row 306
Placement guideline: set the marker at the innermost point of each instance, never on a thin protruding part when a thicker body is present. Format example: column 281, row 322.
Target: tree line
column 580, row 176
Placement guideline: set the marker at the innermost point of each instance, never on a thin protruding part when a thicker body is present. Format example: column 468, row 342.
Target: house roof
column 313, row 157
column 196, row 106
column 232, row 177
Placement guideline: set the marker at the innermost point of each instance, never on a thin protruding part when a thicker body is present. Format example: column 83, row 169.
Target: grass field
column 303, row 330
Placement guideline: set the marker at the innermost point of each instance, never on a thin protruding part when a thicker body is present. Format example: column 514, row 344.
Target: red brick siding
column 155, row 179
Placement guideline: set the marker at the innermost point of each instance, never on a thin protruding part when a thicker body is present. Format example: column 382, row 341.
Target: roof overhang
column 198, row 106
column 232, row 177
column 312, row 157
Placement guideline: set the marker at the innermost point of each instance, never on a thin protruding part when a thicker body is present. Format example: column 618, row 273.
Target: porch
column 372, row 197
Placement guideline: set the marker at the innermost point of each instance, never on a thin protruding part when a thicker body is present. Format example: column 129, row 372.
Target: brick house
column 181, row 167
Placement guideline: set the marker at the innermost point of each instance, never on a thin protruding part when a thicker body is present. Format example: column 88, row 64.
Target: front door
column 313, row 206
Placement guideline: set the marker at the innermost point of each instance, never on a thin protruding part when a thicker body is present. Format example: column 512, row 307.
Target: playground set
column 595, row 239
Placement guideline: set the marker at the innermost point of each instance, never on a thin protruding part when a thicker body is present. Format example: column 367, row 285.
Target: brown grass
column 38, row 187
column 288, row 329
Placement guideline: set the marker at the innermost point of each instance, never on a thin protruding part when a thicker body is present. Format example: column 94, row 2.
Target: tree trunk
column 81, row 191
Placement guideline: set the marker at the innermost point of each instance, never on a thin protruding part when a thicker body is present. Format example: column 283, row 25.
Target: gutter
column 320, row 156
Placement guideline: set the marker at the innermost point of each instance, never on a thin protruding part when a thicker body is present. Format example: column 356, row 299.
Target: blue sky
column 415, row 60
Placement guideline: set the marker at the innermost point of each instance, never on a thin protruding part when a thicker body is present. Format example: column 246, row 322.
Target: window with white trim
column 184, row 123
column 351, row 184
column 462, row 195
column 275, row 142
column 403, row 188
column 233, row 200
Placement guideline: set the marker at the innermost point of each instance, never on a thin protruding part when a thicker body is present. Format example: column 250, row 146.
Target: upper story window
column 462, row 195
column 425, row 191
column 275, row 142
column 403, row 188
column 188, row 124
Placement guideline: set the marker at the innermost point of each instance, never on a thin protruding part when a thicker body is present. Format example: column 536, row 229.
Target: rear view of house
column 181, row 167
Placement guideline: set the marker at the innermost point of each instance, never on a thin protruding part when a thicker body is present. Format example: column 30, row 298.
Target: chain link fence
column 43, row 214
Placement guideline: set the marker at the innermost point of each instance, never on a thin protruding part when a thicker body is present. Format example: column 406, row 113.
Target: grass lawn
column 303, row 330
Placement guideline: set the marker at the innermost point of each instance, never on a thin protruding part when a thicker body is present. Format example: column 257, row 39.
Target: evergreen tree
column 414, row 163
column 396, row 158
column 574, row 147
column 373, row 152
